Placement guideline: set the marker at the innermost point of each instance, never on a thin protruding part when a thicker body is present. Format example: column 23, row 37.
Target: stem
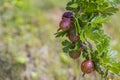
column 89, row 55
column 77, row 25
column 83, row 75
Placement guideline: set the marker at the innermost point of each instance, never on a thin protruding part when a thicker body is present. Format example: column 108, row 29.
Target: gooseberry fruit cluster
column 67, row 23
column 82, row 26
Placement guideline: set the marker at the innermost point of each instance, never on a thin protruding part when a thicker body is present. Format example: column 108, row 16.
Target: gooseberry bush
column 82, row 27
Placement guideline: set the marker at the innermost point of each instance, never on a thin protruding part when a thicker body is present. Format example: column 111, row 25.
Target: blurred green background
column 28, row 47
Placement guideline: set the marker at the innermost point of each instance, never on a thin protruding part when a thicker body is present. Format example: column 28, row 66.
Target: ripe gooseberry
column 76, row 54
column 65, row 24
column 72, row 36
column 87, row 66
column 68, row 15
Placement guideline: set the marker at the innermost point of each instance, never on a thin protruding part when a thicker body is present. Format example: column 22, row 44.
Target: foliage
column 89, row 16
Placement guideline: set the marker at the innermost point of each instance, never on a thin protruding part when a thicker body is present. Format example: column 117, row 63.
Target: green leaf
column 65, row 43
column 98, row 20
column 74, row 5
column 112, row 54
column 110, row 10
column 66, row 49
column 114, row 67
column 67, row 46
column 114, row 2
column 71, row 6
column 61, row 33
